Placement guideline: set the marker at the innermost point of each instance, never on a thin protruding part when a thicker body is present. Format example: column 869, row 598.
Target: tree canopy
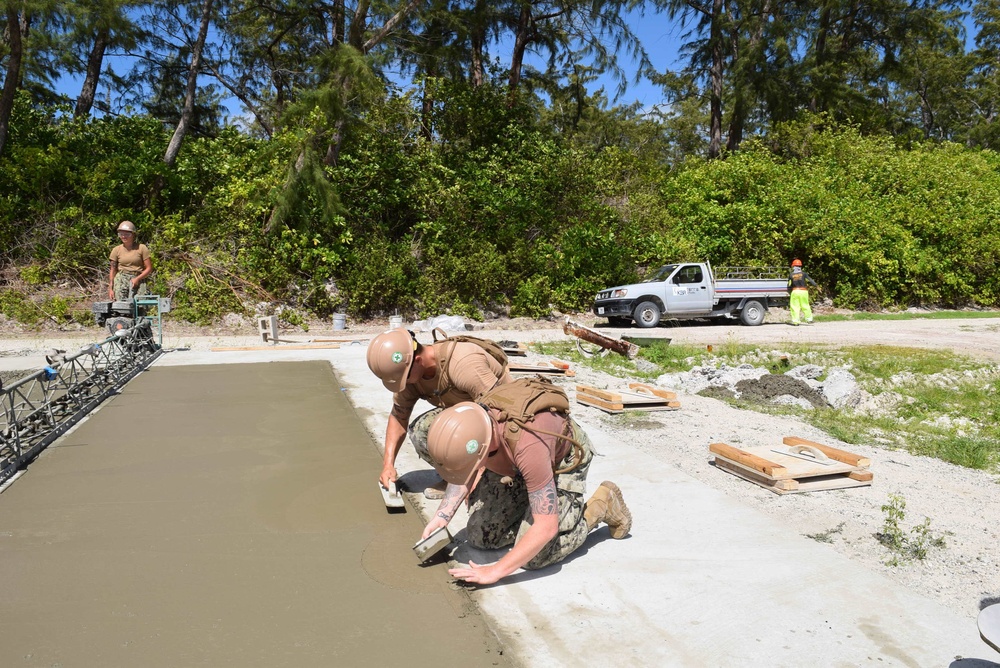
column 383, row 159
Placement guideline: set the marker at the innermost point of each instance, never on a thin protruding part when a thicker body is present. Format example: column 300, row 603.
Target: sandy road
column 977, row 337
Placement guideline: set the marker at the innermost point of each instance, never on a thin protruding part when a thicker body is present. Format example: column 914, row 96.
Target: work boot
column 436, row 491
column 608, row 506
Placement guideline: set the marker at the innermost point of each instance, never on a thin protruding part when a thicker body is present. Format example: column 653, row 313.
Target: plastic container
column 340, row 321
column 395, row 321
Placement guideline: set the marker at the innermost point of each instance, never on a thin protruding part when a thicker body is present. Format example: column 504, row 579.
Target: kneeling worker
column 444, row 373
column 522, row 462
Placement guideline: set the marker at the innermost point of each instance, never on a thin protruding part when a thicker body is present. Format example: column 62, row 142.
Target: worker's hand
column 475, row 574
column 134, row 283
column 433, row 526
column 387, row 476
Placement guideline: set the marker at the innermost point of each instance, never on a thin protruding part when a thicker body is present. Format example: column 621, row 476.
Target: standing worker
column 130, row 266
column 444, row 373
column 522, row 462
column 798, row 300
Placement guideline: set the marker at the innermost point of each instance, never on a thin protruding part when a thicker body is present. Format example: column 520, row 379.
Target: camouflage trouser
column 499, row 513
column 121, row 286
column 418, row 432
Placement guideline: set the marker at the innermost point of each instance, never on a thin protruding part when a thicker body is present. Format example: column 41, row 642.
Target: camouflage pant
column 122, row 285
column 418, row 432
column 499, row 513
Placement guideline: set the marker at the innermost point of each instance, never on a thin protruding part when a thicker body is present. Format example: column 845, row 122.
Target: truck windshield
column 660, row 274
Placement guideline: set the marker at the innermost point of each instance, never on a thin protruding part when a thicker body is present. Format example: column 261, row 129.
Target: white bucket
column 340, row 321
column 395, row 321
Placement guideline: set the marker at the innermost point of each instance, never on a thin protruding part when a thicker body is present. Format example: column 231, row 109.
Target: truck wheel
column 646, row 315
column 753, row 313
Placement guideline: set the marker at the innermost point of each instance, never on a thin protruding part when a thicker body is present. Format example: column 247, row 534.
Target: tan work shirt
column 537, row 453
column 471, row 370
column 133, row 261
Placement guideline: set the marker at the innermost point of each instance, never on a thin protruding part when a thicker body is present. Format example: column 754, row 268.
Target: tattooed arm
column 453, row 497
column 544, row 527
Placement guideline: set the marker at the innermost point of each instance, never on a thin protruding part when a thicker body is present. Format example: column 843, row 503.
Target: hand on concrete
column 387, row 476
column 433, row 526
column 476, row 574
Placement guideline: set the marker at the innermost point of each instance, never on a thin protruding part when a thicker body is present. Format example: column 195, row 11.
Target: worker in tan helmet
column 527, row 493
column 443, row 373
column 130, row 265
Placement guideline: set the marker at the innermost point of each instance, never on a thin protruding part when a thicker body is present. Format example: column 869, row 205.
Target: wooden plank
column 546, row 369
column 644, row 388
column 288, row 347
column 831, row 452
column 618, row 402
column 606, row 395
column 777, row 486
column 609, row 406
column 766, row 467
column 791, row 486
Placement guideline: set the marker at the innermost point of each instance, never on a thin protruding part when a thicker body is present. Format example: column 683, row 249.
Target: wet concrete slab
column 222, row 515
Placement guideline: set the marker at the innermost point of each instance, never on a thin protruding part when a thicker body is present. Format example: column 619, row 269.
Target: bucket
column 395, row 321
column 340, row 321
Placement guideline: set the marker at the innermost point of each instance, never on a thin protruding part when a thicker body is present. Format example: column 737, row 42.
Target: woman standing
column 130, row 265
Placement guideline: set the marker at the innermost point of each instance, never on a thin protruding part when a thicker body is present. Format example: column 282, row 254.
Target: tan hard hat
column 390, row 356
column 459, row 441
column 126, row 225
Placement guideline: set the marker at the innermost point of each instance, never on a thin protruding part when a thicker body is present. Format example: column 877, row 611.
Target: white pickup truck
column 690, row 290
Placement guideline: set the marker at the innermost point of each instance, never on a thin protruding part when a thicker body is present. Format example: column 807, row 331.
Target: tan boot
column 608, row 506
column 436, row 491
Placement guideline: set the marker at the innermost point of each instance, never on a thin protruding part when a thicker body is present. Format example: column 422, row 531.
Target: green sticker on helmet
column 397, row 357
column 472, row 446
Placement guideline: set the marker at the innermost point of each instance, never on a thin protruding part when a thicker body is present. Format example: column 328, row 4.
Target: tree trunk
column 520, row 46
column 477, row 35
column 715, row 77
column 192, row 87
column 94, row 63
column 12, row 76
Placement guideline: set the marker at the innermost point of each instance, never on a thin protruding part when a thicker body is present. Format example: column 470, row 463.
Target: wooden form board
column 798, row 466
column 546, row 369
column 642, row 398
column 518, row 350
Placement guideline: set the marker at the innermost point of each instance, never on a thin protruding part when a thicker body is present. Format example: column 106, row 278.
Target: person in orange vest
column 798, row 291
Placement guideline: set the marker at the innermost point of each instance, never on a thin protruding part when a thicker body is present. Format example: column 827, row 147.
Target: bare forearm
column 395, row 432
column 453, row 497
column 538, row 535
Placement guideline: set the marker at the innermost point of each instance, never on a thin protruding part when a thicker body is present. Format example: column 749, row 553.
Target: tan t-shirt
column 471, row 370
column 130, row 260
column 536, row 454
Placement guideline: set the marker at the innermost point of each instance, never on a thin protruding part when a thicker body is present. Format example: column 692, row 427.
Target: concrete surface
column 222, row 515
column 701, row 581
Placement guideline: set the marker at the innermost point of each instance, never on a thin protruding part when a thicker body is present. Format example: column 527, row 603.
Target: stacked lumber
column 550, row 368
column 799, row 465
column 641, row 397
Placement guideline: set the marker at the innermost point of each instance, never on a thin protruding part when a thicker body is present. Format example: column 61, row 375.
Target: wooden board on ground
column 797, row 466
column 545, row 369
column 642, row 398
column 513, row 348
